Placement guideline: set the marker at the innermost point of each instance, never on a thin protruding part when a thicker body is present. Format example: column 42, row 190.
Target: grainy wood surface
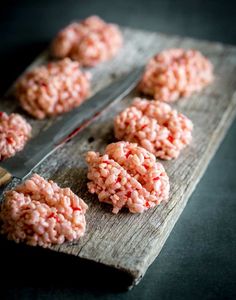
column 125, row 241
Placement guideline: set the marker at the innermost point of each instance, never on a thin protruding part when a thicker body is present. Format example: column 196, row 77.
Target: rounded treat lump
column 53, row 89
column 90, row 42
column 39, row 212
column 14, row 133
column 127, row 176
column 176, row 73
column 155, row 126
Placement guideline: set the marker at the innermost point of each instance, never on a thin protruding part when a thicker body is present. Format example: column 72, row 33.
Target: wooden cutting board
column 131, row 242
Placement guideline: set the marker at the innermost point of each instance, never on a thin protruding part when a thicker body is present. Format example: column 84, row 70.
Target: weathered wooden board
column 125, row 241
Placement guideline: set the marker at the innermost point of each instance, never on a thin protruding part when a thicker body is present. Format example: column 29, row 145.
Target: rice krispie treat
column 127, row 176
column 14, row 133
column 53, row 89
column 176, row 73
column 39, row 212
column 90, row 42
column 155, row 126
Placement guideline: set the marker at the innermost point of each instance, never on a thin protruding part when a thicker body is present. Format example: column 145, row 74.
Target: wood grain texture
column 125, row 241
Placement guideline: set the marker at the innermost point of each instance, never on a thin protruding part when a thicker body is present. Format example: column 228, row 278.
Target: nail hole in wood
column 91, row 139
column 113, row 75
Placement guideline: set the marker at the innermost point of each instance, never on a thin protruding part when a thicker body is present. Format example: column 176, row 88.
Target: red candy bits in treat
column 155, row 126
column 176, row 73
column 14, row 133
column 53, row 89
column 90, row 42
column 136, row 188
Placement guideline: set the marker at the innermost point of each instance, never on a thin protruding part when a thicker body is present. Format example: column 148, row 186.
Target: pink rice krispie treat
column 155, row 126
column 127, row 176
column 39, row 212
column 90, row 42
column 53, row 89
column 14, row 133
column 176, row 73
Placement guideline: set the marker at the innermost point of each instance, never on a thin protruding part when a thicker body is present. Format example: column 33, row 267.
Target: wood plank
column 125, row 241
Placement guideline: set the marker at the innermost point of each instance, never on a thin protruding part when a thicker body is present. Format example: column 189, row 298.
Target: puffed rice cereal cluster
column 176, row 73
column 127, row 176
column 39, row 212
column 53, row 89
column 90, row 42
column 14, row 133
column 155, row 126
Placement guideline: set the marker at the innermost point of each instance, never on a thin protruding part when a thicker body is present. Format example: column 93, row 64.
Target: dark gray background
column 198, row 260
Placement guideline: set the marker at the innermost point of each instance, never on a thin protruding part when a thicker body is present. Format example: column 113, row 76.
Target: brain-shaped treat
column 39, row 212
column 176, row 73
column 90, row 42
column 127, row 176
column 155, row 126
column 53, row 89
column 14, row 133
